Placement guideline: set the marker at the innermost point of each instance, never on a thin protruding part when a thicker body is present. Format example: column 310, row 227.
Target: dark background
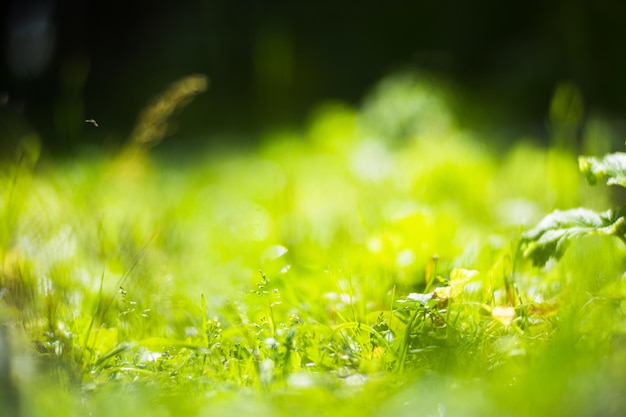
column 271, row 62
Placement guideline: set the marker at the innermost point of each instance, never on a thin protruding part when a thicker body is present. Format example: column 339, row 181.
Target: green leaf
column 551, row 237
column 612, row 166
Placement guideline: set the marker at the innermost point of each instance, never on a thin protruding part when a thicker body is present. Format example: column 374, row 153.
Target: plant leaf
column 503, row 314
column 458, row 278
column 612, row 166
column 550, row 238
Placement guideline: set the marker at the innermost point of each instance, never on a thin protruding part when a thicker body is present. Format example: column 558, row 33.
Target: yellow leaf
column 503, row 314
column 458, row 278
column 442, row 293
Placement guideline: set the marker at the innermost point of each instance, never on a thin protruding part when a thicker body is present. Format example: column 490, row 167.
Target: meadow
column 371, row 263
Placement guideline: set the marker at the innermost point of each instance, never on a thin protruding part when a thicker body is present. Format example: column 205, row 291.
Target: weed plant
column 369, row 265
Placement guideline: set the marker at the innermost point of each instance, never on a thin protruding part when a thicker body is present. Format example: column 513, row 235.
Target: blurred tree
column 271, row 61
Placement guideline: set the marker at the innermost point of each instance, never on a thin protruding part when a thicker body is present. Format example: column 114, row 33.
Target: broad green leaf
column 612, row 166
column 550, row 238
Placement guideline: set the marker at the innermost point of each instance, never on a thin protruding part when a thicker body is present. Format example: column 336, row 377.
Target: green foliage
column 553, row 234
column 328, row 273
column 611, row 166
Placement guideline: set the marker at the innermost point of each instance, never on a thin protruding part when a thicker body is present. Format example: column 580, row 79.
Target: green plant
column 551, row 237
column 390, row 281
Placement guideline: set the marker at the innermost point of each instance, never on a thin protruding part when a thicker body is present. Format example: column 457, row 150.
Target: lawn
column 369, row 264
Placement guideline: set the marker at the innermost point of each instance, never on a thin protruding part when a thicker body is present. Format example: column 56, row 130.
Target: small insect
column 92, row 122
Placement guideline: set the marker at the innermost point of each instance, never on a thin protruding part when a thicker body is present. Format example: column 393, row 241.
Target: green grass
column 368, row 265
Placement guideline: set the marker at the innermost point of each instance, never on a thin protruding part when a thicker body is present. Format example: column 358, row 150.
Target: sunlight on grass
column 368, row 265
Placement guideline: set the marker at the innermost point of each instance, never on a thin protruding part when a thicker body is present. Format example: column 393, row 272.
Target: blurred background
column 270, row 62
